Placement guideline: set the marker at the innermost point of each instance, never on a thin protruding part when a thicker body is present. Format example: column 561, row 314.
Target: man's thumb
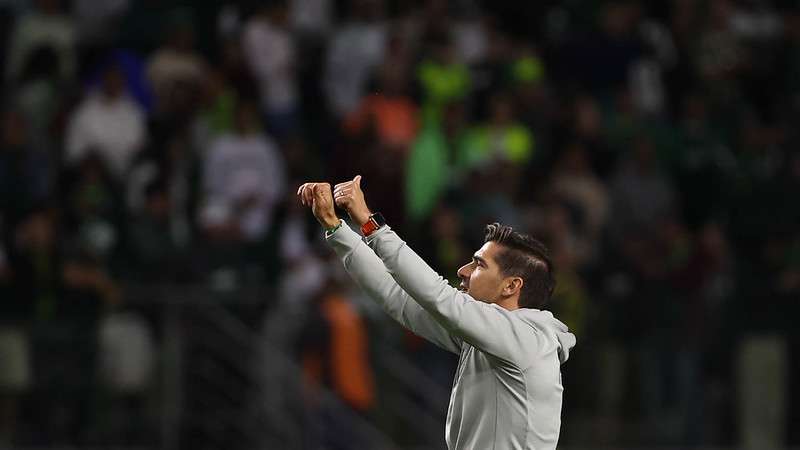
column 357, row 181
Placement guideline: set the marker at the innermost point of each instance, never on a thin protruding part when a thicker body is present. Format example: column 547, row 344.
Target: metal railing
column 205, row 344
column 223, row 381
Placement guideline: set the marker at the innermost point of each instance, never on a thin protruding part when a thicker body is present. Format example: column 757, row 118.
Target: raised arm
column 368, row 271
column 488, row 327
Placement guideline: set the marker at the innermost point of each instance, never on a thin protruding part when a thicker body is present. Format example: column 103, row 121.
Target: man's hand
column 318, row 196
column 350, row 197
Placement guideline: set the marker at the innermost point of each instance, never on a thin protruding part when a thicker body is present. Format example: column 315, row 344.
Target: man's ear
column 513, row 285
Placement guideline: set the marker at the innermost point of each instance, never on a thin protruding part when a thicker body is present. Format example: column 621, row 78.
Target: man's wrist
column 360, row 217
column 331, row 223
column 330, row 230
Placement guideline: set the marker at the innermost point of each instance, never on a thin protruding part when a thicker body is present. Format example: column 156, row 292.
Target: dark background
column 161, row 287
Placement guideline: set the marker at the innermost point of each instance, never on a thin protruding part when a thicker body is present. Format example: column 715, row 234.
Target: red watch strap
column 369, row 227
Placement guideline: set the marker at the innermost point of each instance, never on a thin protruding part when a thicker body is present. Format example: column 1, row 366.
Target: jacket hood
column 546, row 322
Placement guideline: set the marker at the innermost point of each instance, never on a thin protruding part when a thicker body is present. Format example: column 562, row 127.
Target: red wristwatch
column 375, row 221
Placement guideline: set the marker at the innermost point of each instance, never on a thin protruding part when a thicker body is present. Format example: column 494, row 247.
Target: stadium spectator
column 47, row 25
column 575, row 183
column 641, row 194
column 502, row 139
column 270, row 51
column 175, row 67
column 389, row 113
column 66, row 291
column 154, row 254
column 108, row 122
column 357, row 46
column 26, row 172
column 243, row 178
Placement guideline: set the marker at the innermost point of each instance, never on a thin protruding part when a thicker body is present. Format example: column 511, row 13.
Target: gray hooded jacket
column 507, row 389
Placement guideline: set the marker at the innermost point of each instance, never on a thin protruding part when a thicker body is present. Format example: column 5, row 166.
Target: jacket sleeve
column 368, row 271
column 487, row 327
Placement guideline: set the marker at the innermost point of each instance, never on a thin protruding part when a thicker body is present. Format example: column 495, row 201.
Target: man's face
column 481, row 278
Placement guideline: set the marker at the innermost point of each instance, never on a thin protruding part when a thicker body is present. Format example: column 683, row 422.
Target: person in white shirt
column 174, row 66
column 45, row 26
column 108, row 122
column 270, row 52
column 507, row 392
column 244, row 177
column 356, row 48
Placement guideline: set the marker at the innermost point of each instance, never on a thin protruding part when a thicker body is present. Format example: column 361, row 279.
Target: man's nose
column 463, row 271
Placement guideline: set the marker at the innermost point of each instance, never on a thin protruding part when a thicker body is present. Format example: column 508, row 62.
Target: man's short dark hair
column 523, row 256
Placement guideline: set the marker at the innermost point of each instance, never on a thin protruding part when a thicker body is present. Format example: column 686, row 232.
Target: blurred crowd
column 652, row 145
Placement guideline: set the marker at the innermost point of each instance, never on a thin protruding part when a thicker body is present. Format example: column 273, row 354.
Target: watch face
column 379, row 220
